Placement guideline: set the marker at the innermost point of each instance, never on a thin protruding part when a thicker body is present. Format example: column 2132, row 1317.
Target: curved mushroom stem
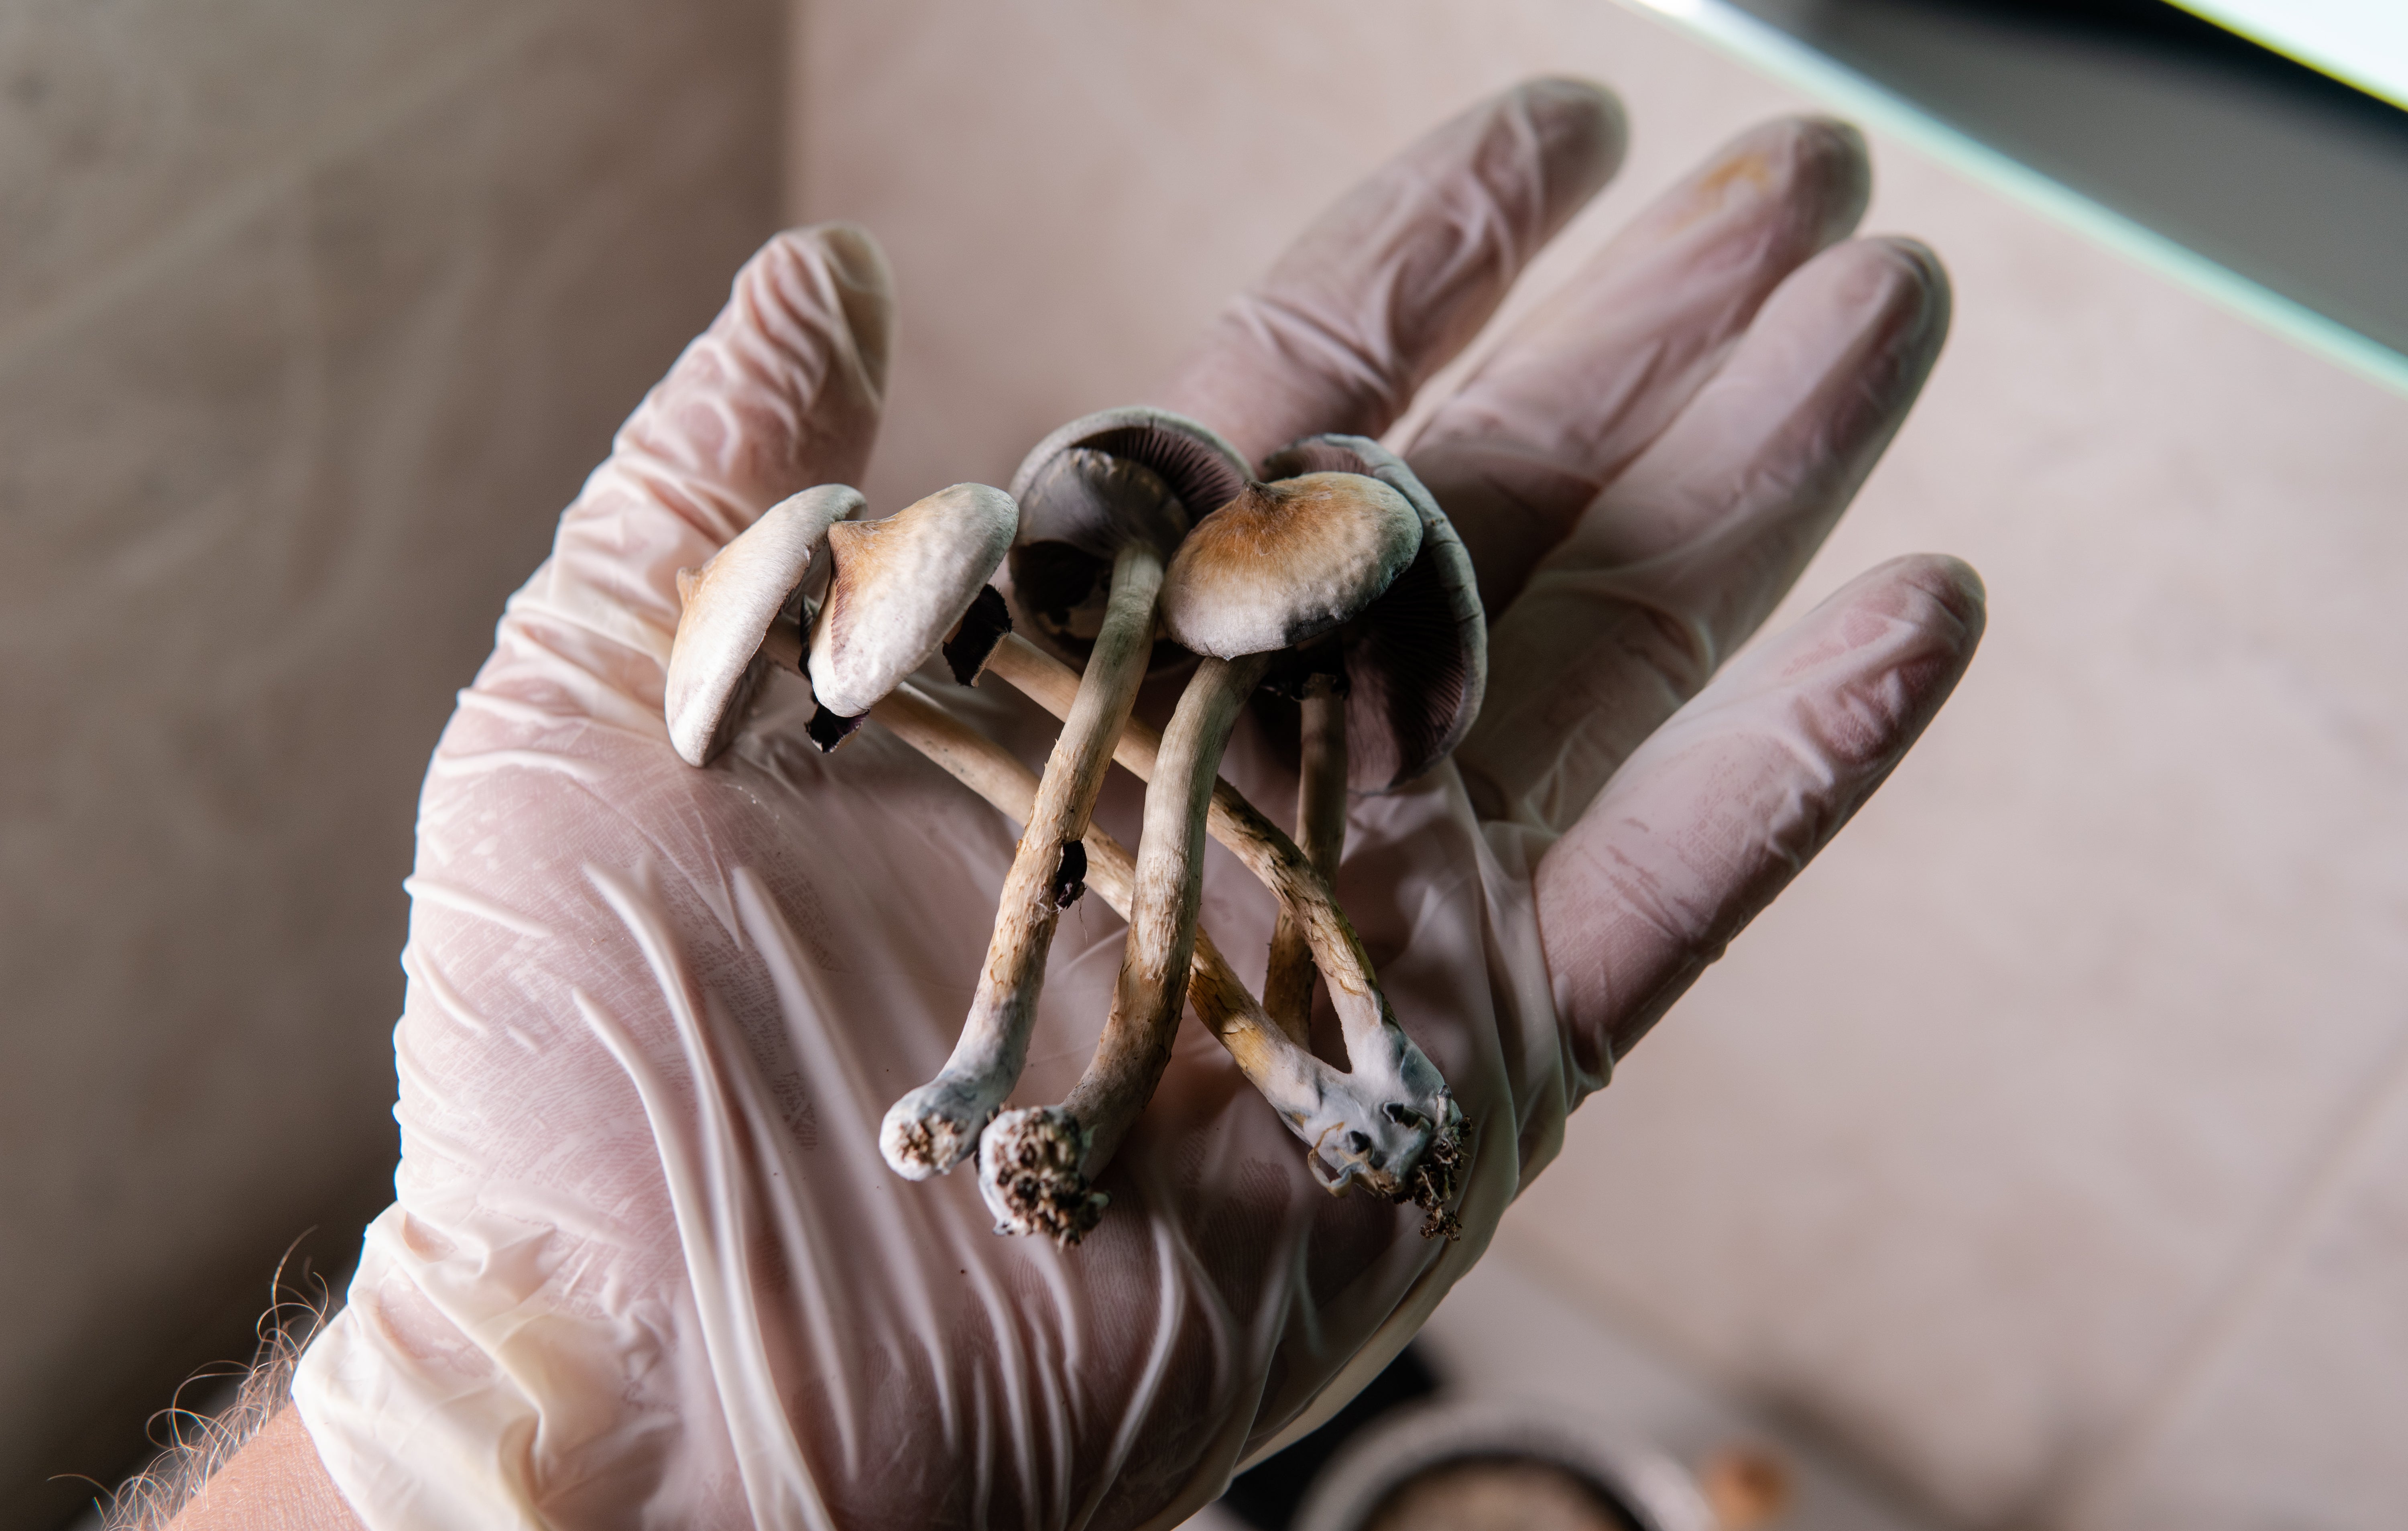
column 1383, row 1064
column 1321, row 827
column 934, row 1128
column 1318, row 1102
column 1036, row 1167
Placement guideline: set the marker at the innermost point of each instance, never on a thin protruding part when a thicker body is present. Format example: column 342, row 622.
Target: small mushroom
column 1381, row 701
column 1110, row 497
column 895, row 588
column 739, row 619
column 1278, row 564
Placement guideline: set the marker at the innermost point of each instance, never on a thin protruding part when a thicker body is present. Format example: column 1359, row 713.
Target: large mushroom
column 741, row 617
column 1278, row 564
column 1381, row 701
column 1103, row 502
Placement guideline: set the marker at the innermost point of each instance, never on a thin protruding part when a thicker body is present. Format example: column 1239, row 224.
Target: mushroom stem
column 934, row 1127
column 1038, row 1167
column 1295, row 1083
column 1321, row 826
column 1262, row 845
column 1383, row 1064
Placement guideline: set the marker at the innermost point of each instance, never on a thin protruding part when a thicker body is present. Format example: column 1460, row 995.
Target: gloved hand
column 647, row 1266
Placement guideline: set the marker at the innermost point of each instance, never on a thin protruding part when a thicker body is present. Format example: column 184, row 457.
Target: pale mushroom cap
column 899, row 586
column 729, row 605
column 1092, row 486
column 1418, row 660
column 1284, row 563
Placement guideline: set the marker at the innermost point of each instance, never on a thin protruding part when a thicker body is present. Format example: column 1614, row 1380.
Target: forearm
column 250, row 1464
column 273, row 1482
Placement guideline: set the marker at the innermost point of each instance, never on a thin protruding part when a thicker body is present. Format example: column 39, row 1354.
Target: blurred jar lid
column 1489, row 1466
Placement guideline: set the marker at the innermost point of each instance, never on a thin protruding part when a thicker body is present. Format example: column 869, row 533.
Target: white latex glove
column 647, row 1267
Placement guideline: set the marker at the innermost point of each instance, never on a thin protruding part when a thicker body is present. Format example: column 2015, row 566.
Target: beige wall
column 2045, row 1147
column 311, row 317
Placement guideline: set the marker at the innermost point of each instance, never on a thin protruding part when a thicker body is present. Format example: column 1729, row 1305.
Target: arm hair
column 198, row 1444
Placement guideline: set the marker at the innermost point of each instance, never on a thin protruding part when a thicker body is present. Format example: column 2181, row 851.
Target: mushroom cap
column 1285, row 562
column 1090, row 487
column 898, row 586
column 714, row 661
column 1417, row 659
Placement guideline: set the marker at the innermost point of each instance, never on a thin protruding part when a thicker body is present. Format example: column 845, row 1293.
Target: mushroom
column 1083, row 489
column 1403, row 681
column 1278, row 565
column 1404, row 1138
column 739, row 619
column 1103, row 501
column 895, row 588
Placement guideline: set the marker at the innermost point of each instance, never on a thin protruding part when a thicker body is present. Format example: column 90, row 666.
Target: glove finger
column 1584, row 381
column 781, row 393
column 1393, row 280
column 1693, row 543
column 1726, row 802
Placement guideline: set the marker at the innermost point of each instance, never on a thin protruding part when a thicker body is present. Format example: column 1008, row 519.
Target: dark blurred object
column 1267, row 1496
column 1501, row 1465
column 1498, row 1493
column 2268, row 167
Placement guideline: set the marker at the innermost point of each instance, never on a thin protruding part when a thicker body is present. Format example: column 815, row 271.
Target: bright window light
column 2364, row 42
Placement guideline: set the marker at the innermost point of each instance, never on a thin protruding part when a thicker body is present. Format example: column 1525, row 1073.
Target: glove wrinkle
column 817, row 1309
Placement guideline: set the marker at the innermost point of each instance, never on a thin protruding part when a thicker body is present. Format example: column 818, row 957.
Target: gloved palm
column 647, row 1266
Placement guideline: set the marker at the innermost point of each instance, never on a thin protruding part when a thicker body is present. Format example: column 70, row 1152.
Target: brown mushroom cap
column 715, row 662
column 899, row 585
column 1285, row 562
column 1417, row 659
column 1090, row 487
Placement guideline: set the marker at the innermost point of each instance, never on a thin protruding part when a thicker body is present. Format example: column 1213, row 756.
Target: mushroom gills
column 1084, row 476
column 1417, row 659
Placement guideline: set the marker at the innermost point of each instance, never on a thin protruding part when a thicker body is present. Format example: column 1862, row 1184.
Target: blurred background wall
column 2046, row 1148
column 311, row 318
